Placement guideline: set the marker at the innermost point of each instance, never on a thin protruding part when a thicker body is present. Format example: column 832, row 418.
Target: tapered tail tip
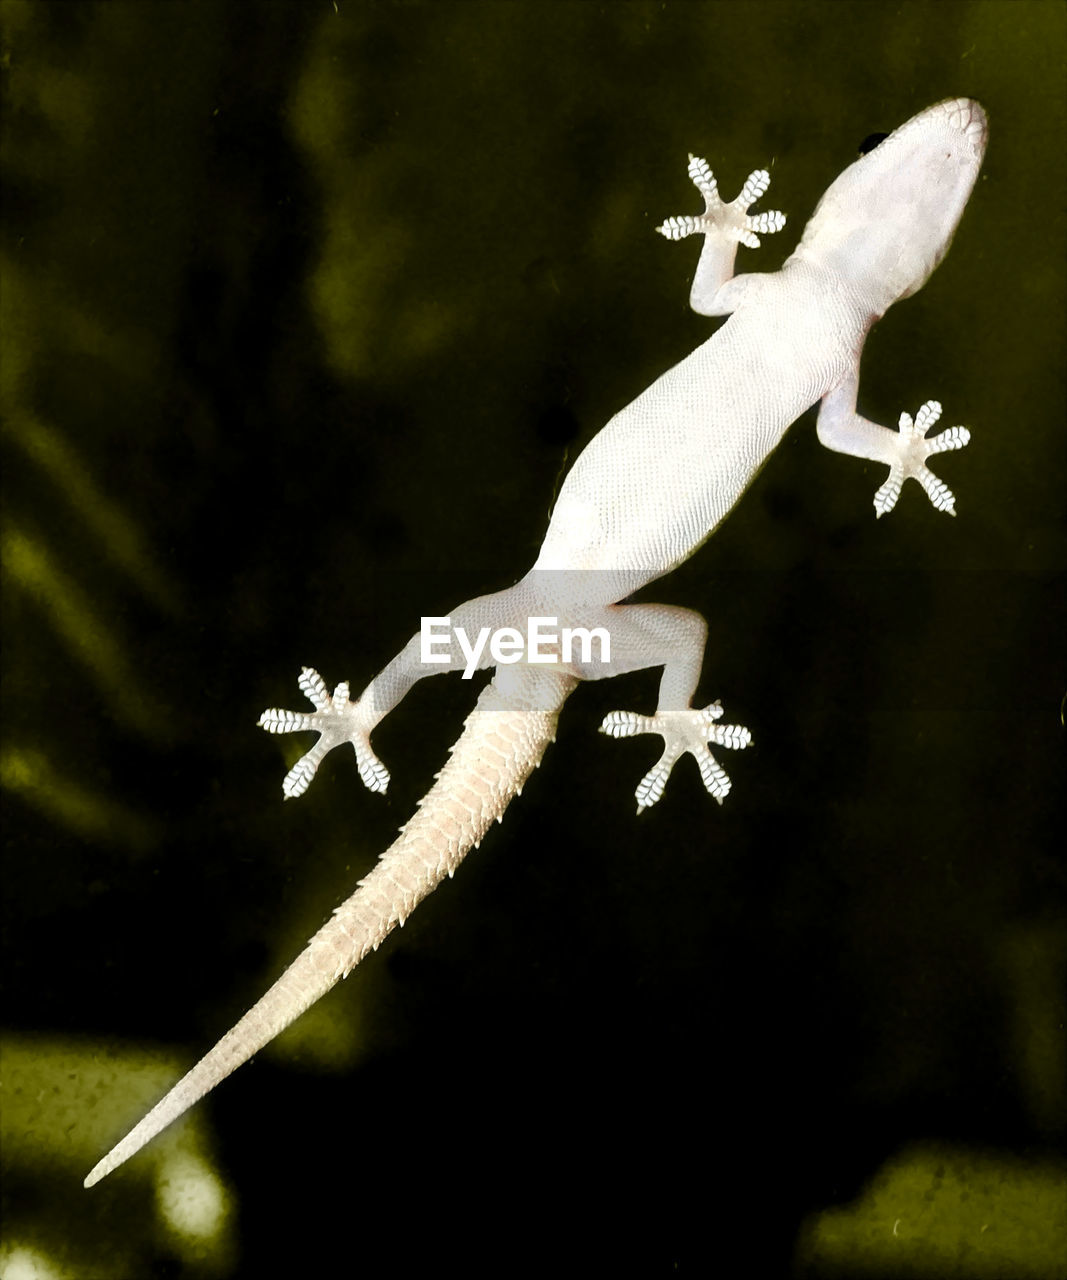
column 107, row 1165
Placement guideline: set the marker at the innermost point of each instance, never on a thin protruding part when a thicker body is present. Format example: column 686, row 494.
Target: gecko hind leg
column 684, row 731
column 652, row 635
column 337, row 720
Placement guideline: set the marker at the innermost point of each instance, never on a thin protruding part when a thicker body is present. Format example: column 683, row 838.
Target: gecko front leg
column 724, row 226
column 913, row 450
column 904, row 451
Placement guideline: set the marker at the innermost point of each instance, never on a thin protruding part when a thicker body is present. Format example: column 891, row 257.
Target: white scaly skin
column 648, row 490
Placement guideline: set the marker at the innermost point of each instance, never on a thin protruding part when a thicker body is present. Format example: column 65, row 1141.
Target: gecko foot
column 731, row 220
column 336, row 720
column 913, row 450
column 688, row 730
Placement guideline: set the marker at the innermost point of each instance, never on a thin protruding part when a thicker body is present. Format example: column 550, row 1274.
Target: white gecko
column 640, row 499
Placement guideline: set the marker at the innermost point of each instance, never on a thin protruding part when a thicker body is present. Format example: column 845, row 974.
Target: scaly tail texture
column 502, row 742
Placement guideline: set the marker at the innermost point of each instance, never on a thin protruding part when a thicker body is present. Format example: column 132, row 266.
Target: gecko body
column 644, row 494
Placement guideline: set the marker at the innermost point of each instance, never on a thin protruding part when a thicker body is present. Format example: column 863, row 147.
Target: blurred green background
column 306, row 307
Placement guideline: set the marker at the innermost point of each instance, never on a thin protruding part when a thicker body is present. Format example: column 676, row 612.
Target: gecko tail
column 502, row 742
column 306, row 980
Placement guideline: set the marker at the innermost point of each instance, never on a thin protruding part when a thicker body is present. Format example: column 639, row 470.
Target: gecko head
column 888, row 219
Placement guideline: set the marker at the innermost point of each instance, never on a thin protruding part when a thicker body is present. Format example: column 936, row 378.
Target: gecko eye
column 871, row 141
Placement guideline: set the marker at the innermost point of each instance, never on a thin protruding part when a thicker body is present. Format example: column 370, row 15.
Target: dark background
column 306, row 308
